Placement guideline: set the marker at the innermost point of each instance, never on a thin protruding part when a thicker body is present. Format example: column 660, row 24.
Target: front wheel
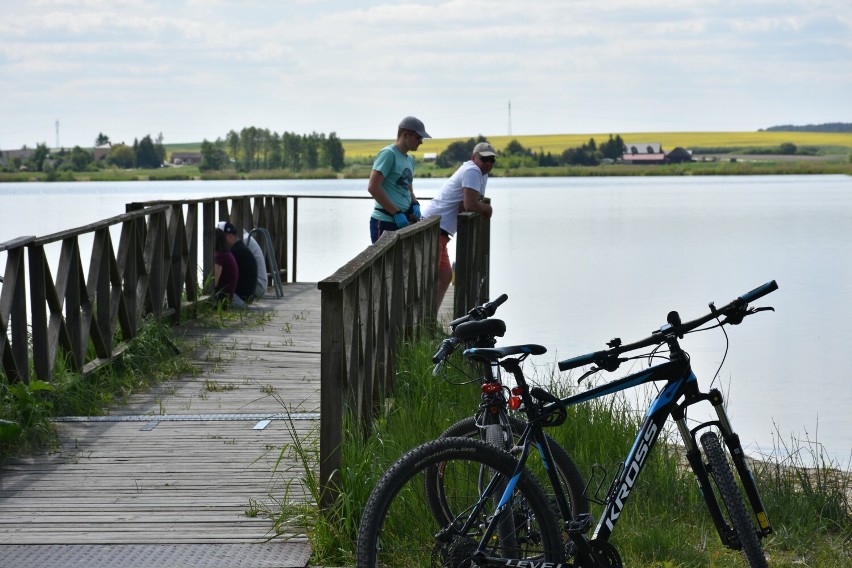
column 720, row 471
column 400, row 528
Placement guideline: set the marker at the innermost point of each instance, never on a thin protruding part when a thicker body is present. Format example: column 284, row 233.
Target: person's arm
column 217, row 273
column 415, row 206
column 374, row 186
column 473, row 203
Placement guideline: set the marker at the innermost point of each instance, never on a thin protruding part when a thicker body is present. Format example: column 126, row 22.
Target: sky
column 194, row 70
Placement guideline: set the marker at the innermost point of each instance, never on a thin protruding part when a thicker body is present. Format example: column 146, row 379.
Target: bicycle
column 492, row 422
column 475, row 536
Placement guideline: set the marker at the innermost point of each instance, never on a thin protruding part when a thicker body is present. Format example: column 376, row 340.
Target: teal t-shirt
column 398, row 169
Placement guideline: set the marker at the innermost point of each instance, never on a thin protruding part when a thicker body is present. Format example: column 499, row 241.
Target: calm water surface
column 585, row 260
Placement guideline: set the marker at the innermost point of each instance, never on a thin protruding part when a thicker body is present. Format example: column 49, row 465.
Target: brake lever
column 610, row 364
column 737, row 317
column 763, row 309
column 438, row 367
column 588, row 373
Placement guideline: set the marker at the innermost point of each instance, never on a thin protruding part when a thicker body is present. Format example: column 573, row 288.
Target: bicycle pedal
column 580, row 525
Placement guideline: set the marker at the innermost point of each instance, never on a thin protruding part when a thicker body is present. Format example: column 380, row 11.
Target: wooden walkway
column 193, row 461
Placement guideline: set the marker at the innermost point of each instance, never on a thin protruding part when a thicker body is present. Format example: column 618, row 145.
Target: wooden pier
column 193, row 461
column 192, row 473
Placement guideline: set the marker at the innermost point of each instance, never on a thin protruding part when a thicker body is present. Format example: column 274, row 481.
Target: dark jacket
column 248, row 270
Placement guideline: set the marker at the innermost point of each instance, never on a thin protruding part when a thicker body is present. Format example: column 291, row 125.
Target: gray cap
column 484, row 149
column 415, row 125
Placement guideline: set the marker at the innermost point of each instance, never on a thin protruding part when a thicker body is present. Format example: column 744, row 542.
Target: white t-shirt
column 450, row 198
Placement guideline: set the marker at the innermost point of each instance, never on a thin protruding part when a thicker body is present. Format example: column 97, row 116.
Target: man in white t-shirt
column 464, row 191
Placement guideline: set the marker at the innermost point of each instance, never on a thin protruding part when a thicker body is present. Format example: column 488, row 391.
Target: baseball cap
column 484, row 149
column 226, row 227
column 415, row 125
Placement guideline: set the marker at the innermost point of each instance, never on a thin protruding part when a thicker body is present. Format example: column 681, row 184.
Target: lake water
column 584, row 260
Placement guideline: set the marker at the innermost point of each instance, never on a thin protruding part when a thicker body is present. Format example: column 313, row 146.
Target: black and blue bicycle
column 405, row 522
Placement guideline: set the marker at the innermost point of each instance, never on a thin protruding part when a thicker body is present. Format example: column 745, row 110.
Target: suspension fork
column 732, row 441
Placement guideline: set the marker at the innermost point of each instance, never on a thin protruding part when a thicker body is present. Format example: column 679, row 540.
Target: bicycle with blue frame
column 401, row 527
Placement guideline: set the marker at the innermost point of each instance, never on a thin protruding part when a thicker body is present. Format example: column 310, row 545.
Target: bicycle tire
column 397, row 528
column 572, row 480
column 720, row 472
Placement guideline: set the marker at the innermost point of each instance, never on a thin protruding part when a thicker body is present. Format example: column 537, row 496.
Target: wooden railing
column 165, row 253
column 370, row 305
column 87, row 314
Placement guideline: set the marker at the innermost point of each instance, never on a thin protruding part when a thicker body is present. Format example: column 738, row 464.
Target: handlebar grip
column 578, row 361
column 759, row 292
column 447, row 346
column 484, row 311
column 489, row 308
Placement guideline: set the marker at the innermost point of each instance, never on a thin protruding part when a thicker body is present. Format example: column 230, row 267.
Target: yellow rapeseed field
column 557, row 143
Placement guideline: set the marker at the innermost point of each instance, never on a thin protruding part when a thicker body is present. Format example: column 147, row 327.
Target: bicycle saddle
column 482, row 328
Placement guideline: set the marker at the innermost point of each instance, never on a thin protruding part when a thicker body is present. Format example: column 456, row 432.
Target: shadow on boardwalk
column 173, row 477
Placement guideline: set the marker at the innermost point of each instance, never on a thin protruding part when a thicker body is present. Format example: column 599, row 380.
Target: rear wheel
column 570, row 477
column 399, row 527
column 720, row 471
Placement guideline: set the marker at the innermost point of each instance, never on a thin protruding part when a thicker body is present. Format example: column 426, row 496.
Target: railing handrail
column 97, row 225
column 17, row 242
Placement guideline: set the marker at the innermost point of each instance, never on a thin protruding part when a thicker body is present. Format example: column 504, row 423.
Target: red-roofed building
column 644, row 153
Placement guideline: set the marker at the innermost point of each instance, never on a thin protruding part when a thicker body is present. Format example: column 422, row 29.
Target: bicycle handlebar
column 478, row 313
column 445, row 349
column 486, row 310
column 733, row 313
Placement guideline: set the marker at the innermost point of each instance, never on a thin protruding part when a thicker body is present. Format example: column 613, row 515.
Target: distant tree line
column 826, row 127
column 515, row 155
column 260, row 149
column 145, row 153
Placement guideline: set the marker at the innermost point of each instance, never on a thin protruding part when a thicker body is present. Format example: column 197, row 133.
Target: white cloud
column 197, row 69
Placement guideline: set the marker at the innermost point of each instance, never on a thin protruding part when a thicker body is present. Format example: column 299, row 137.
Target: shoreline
column 712, row 165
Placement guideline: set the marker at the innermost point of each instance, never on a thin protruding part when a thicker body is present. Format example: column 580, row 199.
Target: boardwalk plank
column 189, row 481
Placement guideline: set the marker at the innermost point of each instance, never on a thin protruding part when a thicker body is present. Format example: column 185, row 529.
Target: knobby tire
column 400, row 528
column 720, row 471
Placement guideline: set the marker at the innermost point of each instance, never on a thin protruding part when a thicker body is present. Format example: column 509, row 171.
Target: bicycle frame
column 681, row 383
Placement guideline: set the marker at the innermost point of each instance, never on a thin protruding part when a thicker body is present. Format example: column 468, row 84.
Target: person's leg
column 375, row 233
column 377, row 228
column 445, row 269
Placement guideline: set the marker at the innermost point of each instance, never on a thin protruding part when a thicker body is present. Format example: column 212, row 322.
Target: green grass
column 664, row 524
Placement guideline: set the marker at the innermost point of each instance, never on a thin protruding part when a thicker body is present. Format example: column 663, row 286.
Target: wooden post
column 14, row 349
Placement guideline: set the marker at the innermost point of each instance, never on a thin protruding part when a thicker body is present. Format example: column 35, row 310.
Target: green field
column 557, row 143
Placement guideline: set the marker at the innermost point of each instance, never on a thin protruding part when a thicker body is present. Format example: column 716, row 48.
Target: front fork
column 732, row 441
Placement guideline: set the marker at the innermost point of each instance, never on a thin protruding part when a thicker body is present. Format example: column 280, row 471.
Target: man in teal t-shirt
column 391, row 181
